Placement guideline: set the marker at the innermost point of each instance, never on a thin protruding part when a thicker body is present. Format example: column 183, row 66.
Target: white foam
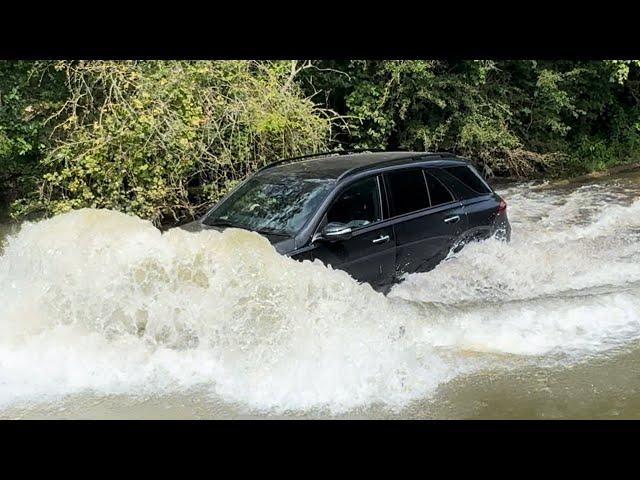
column 99, row 301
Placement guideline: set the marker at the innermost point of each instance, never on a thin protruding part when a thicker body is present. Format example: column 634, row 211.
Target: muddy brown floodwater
column 103, row 316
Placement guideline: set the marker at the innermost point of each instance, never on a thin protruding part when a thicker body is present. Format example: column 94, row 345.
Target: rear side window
column 407, row 191
column 438, row 194
column 470, row 178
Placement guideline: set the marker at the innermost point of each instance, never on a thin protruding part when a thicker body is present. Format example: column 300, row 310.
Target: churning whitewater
column 98, row 302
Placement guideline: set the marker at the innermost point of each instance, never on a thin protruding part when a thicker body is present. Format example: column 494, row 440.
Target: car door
column 429, row 219
column 481, row 204
column 369, row 254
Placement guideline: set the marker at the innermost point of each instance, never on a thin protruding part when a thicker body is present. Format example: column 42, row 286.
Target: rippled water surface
column 102, row 316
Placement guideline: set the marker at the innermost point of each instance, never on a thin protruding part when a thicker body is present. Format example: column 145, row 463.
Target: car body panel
column 416, row 242
column 424, row 239
column 359, row 256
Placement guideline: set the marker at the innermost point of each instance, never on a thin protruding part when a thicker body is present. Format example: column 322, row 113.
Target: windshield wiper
column 269, row 231
column 226, row 223
column 222, row 223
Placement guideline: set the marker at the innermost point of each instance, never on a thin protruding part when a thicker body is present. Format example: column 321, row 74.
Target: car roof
column 343, row 165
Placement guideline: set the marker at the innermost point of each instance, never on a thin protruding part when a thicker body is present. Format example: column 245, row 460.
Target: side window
column 437, row 192
column 470, row 178
column 407, row 191
column 358, row 205
column 455, row 186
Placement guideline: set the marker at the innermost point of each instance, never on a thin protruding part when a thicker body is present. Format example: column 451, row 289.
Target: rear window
column 407, row 191
column 470, row 178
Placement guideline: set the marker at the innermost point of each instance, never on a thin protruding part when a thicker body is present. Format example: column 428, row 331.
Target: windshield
column 272, row 205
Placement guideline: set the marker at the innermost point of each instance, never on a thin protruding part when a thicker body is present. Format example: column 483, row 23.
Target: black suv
column 376, row 215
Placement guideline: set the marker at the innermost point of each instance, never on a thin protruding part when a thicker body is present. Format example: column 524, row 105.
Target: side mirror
column 336, row 231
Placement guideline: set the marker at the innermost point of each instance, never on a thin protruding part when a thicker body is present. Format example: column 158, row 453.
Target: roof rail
column 443, row 154
column 319, row 154
column 413, row 156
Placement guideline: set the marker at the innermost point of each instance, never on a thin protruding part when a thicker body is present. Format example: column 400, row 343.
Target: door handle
column 454, row 219
column 381, row 239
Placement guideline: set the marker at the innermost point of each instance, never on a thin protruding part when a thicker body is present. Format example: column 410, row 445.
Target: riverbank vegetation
column 164, row 139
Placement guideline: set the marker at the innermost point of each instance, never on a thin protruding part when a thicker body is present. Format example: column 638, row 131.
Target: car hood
column 282, row 244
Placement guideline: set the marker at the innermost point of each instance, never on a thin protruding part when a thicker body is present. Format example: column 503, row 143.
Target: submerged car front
column 276, row 205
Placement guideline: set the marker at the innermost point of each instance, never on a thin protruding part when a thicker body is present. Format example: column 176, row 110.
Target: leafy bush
column 520, row 118
column 164, row 139
column 27, row 97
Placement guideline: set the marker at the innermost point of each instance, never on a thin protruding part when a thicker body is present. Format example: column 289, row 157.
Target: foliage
column 27, row 98
column 511, row 117
column 163, row 139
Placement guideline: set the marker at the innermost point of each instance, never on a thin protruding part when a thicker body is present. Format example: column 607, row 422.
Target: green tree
column 164, row 139
column 28, row 96
column 510, row 117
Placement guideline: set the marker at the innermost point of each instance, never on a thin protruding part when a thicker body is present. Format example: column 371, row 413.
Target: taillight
column 502, row 207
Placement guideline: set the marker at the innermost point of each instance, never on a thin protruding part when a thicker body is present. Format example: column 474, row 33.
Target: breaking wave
column 98, row 301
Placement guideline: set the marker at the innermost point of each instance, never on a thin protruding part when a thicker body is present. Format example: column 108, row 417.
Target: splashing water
column 97, row 302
